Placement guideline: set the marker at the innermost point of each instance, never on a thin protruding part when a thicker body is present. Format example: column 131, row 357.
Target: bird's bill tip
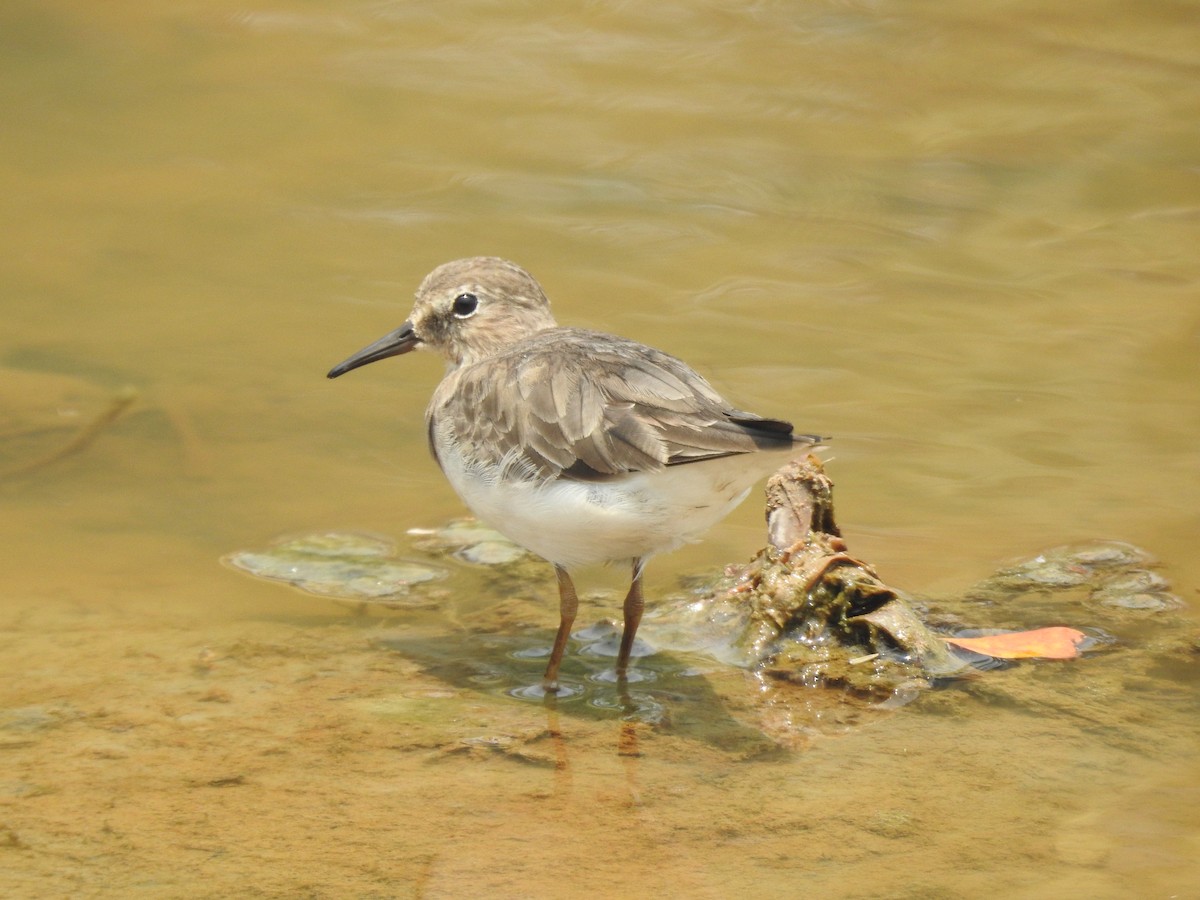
column 402, row 340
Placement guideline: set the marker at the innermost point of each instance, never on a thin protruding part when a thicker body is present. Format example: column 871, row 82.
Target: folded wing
column 637, row 409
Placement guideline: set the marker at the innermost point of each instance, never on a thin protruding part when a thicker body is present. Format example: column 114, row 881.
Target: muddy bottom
column 344, row 757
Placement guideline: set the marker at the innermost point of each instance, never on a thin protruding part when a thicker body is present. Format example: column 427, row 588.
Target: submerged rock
column 342, row 566
column 471, row 542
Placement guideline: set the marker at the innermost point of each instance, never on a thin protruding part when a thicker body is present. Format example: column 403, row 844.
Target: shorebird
column 582, row 447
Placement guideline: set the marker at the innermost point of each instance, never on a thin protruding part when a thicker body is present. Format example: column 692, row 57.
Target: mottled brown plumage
column 568, row 403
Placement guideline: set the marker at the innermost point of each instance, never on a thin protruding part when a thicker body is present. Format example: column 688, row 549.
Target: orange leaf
column 1046, row 643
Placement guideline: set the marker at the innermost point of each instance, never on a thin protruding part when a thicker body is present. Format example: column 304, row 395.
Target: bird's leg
column 568, row 604
column 634, row 604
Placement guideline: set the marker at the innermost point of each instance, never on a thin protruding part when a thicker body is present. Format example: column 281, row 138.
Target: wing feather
column 539, row 407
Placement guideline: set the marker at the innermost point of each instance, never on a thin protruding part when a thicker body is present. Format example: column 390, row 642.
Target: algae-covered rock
column 341, row 565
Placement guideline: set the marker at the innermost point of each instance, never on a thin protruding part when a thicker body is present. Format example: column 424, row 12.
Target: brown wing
column 583, row 404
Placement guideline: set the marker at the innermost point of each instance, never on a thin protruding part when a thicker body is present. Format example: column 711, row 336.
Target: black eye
column 465, row 305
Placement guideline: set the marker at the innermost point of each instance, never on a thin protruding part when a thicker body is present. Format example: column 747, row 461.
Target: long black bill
column 399, row 341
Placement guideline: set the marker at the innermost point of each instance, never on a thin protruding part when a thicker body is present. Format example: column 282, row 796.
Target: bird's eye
column 465, row 305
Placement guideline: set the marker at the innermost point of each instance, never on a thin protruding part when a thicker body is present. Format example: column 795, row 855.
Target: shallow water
column 961, row 241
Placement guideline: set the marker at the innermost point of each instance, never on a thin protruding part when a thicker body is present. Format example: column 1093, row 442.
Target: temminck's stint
column 580, row 446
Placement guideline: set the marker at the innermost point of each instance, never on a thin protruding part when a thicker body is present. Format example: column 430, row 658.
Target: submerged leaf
column 1044, row 643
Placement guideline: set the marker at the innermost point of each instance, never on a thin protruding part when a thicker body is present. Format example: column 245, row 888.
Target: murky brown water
column 962, row 241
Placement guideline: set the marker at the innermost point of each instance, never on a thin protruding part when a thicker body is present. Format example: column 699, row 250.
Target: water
column 962, row 241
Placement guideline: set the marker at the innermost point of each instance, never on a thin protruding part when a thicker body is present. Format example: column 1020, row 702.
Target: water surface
column 960, row 240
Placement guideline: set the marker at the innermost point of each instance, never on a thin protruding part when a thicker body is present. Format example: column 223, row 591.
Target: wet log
column 818, row 615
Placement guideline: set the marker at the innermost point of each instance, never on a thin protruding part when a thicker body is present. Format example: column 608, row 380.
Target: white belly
column 574, row 523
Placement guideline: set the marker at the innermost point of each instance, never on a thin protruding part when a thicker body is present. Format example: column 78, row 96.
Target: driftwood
column 815, row 614
column 81, row 439
column 810, row 613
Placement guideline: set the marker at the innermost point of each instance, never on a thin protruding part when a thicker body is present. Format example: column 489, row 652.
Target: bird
column 582, row 447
